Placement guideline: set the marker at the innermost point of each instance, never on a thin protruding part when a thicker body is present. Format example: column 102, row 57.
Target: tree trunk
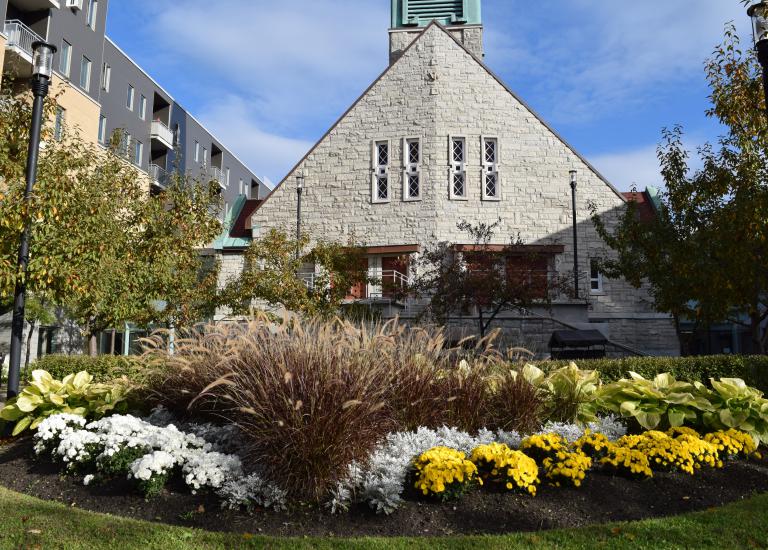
column 93, row 345
column 481, row 320
column 755, row 327
column 29, row 347
column 112, row 342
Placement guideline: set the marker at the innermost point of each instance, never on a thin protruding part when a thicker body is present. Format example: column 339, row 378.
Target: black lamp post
column 759, row 14
column 574, row 173
column 299, row 192
column 42, row 70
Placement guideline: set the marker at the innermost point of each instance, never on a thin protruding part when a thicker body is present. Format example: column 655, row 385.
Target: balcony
column 36, row 5
column 159, row 175
column 161, row 133
column 217, row 175
column 19, row 47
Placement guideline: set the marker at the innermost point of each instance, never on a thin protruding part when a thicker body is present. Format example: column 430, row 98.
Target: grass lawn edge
column 28, row 522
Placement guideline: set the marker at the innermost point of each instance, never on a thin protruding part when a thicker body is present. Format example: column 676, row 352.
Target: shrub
column 752, row 369
column 565, row 467
column 444, row 473
column 736, row 405
column 76, row 394
column 626, row 462
column 514, row 470
column 569, row 392
column 104, row 368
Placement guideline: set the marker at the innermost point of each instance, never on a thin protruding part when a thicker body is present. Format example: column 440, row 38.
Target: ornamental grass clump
column 514, row 470
column 444, row 473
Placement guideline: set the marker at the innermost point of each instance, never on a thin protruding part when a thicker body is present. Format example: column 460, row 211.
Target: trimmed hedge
column 104, row 368
column 753, row 369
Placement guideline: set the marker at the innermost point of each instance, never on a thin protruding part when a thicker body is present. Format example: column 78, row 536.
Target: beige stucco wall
column 436, row 90
column 81, row 111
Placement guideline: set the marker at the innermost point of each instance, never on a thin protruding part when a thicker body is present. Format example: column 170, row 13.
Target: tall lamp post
column 574, row 182
column 299, row 192
column 42, row 69
column 759, row 14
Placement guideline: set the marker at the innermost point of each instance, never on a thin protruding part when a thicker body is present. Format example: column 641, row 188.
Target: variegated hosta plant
column 76, row 394
column 569, row 392
column 661, row 403
column 736, row 405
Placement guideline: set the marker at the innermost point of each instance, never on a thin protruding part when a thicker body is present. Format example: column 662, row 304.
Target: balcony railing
column 217, row 174
column 20, row 37
column 159, row 175
column 308, row 278
column 162, row 133
column 392, row 283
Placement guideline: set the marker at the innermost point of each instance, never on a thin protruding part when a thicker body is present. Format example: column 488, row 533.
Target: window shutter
column 426, row 10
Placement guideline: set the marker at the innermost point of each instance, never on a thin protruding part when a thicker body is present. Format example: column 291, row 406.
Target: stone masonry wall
column 434, row 91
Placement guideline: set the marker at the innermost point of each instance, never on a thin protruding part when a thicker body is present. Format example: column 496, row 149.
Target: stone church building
column 438, row 139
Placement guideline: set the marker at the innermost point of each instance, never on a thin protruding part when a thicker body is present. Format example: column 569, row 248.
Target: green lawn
column 26, row 522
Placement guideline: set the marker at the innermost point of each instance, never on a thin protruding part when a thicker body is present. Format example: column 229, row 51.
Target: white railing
column 390, row 282
column 20, row 36
column 308, row 279
column 217, row 174
column 159, row 175
column 162, row 133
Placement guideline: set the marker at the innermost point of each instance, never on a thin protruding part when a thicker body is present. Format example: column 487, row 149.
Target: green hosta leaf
column 676, row 418
column 11, row 412
column 22, row 425
column 648, row 420
column 27, row 403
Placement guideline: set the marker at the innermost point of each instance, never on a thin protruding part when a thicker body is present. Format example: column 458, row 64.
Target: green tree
column 101, row 246
column 276, row 276
column 703, row 255
column 483, row 279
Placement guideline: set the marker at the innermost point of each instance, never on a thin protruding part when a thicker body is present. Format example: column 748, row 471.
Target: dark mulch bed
column 601, row 499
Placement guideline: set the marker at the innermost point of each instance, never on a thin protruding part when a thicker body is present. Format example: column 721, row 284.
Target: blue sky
column 269, row 78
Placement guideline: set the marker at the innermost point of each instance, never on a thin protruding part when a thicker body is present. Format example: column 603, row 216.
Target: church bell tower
column 462, row 18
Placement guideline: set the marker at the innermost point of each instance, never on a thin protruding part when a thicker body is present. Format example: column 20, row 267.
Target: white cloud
column 268, row 154
column 594, row 57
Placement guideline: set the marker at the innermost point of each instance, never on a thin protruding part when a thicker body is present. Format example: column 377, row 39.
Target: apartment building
column 101, row 90
column 439, row 139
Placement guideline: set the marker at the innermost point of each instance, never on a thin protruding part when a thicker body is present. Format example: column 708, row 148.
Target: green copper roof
column 224, row 240
column 419, row 13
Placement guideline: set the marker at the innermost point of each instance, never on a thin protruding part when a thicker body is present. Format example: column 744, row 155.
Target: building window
column 412, row 175
column 58, row 128
column 205, row 157
column 241, row 187
column 92, row 9
column 143, row 108
column 381, row 155
column 65, row 58
column 106, row 77
column 131, row 93
column 125, row 145
column 102, row 129
column 197, row 151
column 227, row 177
column 138, row 153
column 85, row 74
column 491, row 180
column 595, row 277
column 458, row 156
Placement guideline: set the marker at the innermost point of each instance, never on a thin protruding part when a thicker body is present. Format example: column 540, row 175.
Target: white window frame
column 60, row 120
column 599, row 279
column 142, row 107
column 227, row 172
column 90, row 19
column 197, row 151
column 131, row 97
column 205, row 157
column 380, row 171
column 65, row 57
column 411, row 169
column 138, row 153
column 241, row 187
column 490, row 168
column 102, row 129
column 86, row 64
column 457, row 168
column 106, row 77
column 125, row 145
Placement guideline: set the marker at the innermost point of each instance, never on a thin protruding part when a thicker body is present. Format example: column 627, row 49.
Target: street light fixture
column 759, row 14
column 574, row 183
column 299, row 192
column 42, row 70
